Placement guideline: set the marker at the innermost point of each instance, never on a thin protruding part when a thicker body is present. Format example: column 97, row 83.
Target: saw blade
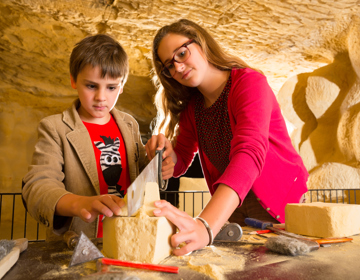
column 136, row 191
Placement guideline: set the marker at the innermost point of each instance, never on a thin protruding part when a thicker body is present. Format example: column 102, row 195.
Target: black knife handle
column 162, row 184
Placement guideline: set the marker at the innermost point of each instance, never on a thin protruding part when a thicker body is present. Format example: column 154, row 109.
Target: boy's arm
column 89, row 207
column 43, row 184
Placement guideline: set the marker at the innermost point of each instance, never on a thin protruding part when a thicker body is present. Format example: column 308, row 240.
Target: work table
column 43, row 260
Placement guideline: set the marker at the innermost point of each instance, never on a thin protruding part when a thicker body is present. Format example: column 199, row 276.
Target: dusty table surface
column 239, row 260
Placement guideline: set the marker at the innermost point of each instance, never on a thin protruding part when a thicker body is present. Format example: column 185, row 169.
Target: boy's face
column 97, row 95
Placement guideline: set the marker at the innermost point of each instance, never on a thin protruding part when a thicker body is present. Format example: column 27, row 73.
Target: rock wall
column 324, row 107
column 309, row 49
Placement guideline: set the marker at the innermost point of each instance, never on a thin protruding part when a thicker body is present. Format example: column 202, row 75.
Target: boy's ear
column 73, row 83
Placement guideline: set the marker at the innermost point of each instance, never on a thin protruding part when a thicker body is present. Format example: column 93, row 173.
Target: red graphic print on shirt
column 110, row 163
column 111, row 160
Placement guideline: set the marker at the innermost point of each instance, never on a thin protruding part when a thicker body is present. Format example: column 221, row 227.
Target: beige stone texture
column 140, row 239
column 324, row 220
column 323, row 106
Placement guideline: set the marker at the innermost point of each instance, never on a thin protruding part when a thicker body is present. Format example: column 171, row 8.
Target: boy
column 86, row 157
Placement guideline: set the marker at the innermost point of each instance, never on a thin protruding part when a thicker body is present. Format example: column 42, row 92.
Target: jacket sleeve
column 186, row 143
column 251, row 104
column 43, row 184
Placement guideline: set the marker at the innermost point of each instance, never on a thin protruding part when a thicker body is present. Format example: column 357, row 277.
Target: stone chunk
column 140, row 239
column 324, row 220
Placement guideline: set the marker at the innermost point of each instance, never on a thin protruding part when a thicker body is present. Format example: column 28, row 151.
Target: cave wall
column 307, row 49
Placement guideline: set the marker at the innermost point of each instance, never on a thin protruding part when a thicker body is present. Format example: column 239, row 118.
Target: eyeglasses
column 181, row 54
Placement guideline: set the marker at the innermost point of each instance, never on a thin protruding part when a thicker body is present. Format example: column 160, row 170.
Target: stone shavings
column 212, row 261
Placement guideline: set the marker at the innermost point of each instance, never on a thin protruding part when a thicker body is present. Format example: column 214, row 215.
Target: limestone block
column 193, row 203
column 323, row 219
column 140, row 239
column 143, row 238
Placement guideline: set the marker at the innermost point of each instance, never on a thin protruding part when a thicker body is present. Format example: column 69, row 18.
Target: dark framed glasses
column 181, row 54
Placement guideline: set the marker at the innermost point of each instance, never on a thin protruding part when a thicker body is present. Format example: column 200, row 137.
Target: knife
column 136, row 191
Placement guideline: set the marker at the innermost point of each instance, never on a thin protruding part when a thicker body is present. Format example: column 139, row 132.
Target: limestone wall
column 309, row 51
column 324, row 107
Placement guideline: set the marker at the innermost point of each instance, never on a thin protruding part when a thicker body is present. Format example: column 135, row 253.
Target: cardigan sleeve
column 250, row 107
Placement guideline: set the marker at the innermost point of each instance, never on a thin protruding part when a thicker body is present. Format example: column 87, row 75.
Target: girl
column 214, row 104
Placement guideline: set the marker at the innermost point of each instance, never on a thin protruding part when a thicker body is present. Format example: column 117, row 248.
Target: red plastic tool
column 156, row 267
column 261, row 231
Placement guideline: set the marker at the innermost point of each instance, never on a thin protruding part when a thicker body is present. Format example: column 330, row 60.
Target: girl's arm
column 192, row 231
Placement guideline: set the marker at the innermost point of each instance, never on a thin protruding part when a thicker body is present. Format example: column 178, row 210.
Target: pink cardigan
column 262, row 157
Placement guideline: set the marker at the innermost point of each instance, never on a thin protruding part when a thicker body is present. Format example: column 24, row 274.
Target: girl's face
column 190, row 73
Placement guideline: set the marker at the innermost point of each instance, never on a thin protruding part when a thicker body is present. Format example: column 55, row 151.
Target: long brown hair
column 172, row 97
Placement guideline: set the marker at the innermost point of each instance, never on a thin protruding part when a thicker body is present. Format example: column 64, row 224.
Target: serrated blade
column 136, row 191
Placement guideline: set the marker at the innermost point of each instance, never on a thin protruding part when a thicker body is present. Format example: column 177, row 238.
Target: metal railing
column 15, row 222
column 345, row 196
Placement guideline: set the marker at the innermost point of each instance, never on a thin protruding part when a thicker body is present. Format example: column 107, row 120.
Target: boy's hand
column 89, row 207
column 92, row 206
column 158, row 142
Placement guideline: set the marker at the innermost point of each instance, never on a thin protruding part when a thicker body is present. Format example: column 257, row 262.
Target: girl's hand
column 167, row 169
column 158, row 142
column 191, row 232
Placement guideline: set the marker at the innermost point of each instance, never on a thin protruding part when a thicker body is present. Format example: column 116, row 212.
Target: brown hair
column 172, row 97
column 100, row 50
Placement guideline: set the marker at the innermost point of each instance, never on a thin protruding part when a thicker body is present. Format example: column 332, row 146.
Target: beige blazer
column 64, row 162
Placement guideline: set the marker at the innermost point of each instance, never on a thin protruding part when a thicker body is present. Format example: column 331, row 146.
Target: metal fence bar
column 0, row 206
column 25, row 223
column 202, row 200
column 12, row 218
column 354, row 196
column 15, row 216
column 330, row 196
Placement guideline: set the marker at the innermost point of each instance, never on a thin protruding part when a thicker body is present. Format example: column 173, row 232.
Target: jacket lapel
column 132, row 152
column 81, row 142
